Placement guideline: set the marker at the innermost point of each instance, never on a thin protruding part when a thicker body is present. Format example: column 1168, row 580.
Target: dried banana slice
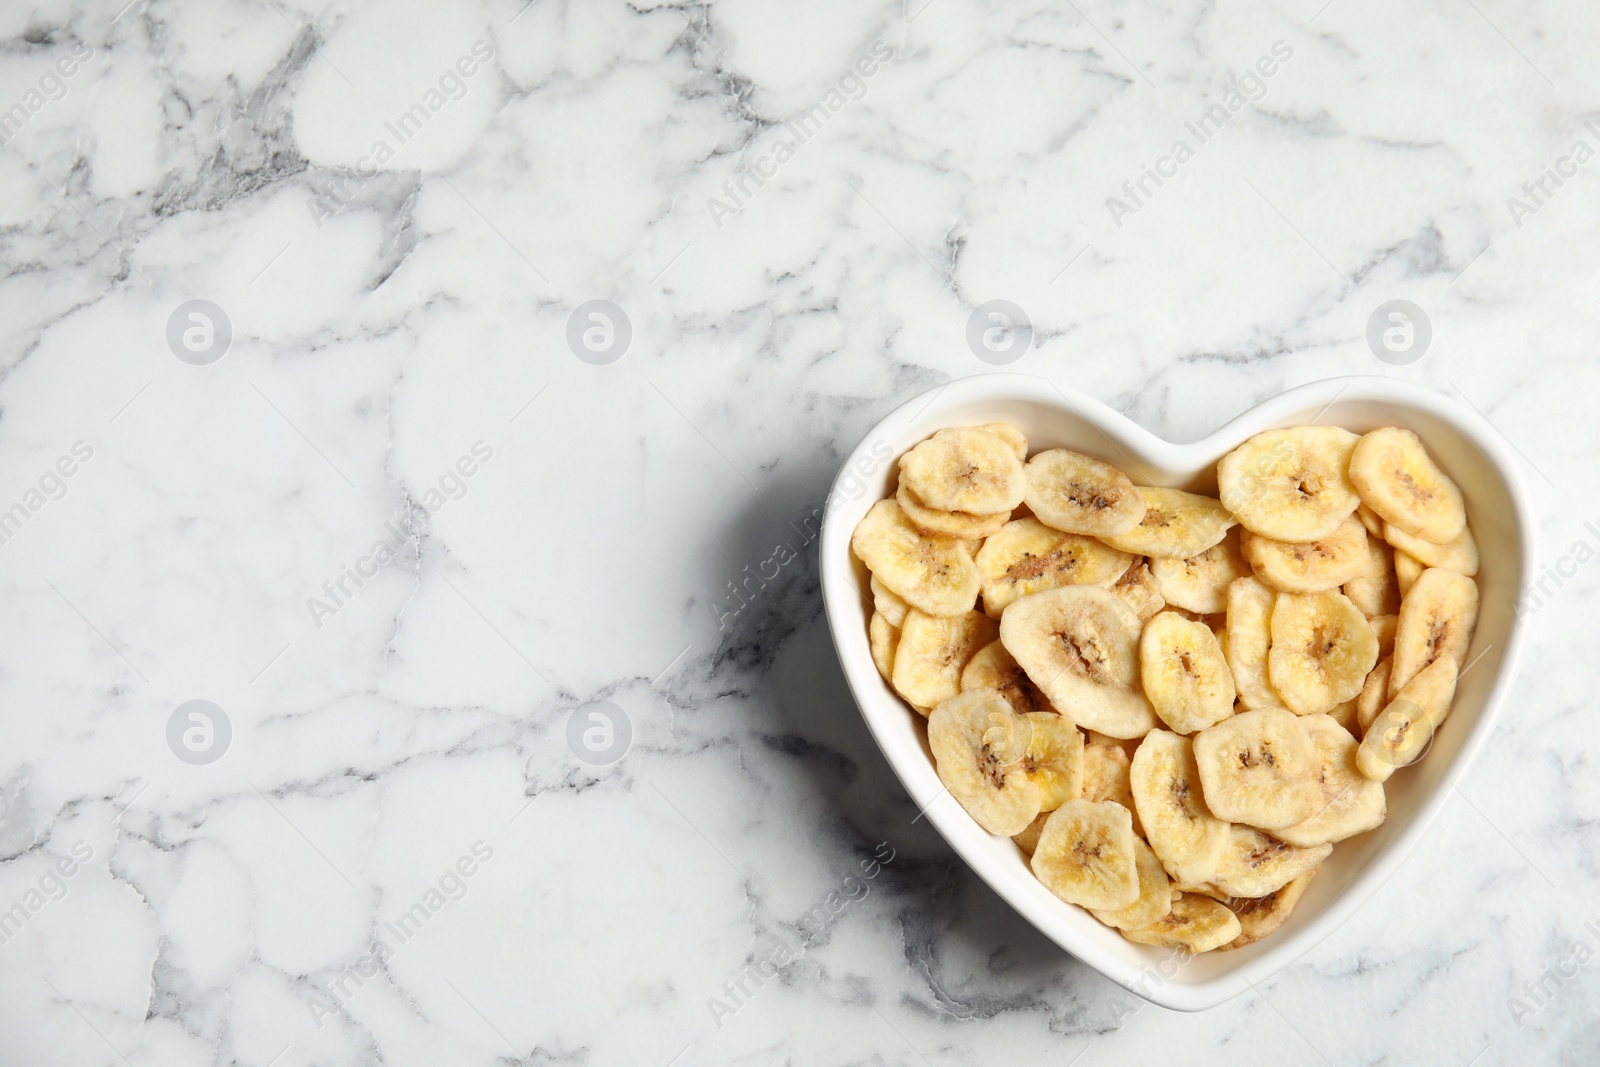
column 1407, row 568
column 1010, row 435
column 1025, row 556
column 964, row 469
column 1077, row 494
column 992, row 667
column 1054, row 759
column 1292, row 484
column 1255, row 864
column 1350, row 803
column 1028, row 839
column 890, row 606
column 1154, row 902
column 1086, row 855
column 1185, row 677
column 978, row 746
column 1310, row 566
column 1200, row 583
column 883, row 636
column 1139, row 589
column 1384, row 628
column 1250, row 604
column 1195, row 924
column 933, row 651
column 1260, row 916
column 1167, row 794
column 1437, row 618
column 1105, row 774
column 1322, row 650
column 935, row 575
column 1080, row 645
column 1175, row 524
column 1371, row 520
column 1375, row 589
column 1258, row 768
column 1396, row 478
column 939, row 523
column 1460, row 555
column 1404, row 729
column 1374, row 695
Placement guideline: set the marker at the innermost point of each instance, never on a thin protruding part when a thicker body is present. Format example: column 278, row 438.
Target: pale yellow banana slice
column 1374, row 695
column 1086, row 855
column 933, row 651
column 1384, row 628
column 1396, row 478
column 979, row 745
column 1185, row 677
column 1028, row 839
column 883, row 636
column 1200, row 583
column 992, row 667
column 1310, row 566
column 1322, row 650
column 1346, row 715
column 1258, row 768
column 1010, row 435
column 964, row 469
column 1105, row 774
column 959, row 524
column 1437, row 618
column 1292, row 484
column 887, row 604
column 935, row 575
column 1080, row 645
column 1460, row 555
column 1255, row 864
column 1250, row 604
column 1371, row 520
column 1260, row 916
column 1139, row 589
column 1165, row 783
column 1195, row 924
column 1077, row 494
column 1054, row 759
column 1375, row 589
column 1025, row 556
column 1205, row 889
column 1404, row 729
column 1154, row 902
column 1175, row 524
column 1350, row 803
column 1407, row 568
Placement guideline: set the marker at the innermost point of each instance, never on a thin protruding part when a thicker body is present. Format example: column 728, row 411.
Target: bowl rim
column 842, row 592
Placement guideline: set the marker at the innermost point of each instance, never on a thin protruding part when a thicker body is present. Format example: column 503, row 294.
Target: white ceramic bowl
column 1467, row 447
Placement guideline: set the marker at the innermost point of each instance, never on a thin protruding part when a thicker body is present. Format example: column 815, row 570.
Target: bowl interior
column 1052, row 418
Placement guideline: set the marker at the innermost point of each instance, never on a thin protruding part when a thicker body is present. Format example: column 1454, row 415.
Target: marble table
column 413, row 384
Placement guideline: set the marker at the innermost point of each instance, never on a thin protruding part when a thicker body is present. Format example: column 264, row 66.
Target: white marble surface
column 389, row 315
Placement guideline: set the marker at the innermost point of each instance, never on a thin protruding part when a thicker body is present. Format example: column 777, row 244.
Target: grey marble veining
column 399, row 531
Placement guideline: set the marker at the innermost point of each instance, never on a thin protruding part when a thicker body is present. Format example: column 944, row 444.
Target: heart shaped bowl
column 1052, row 416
